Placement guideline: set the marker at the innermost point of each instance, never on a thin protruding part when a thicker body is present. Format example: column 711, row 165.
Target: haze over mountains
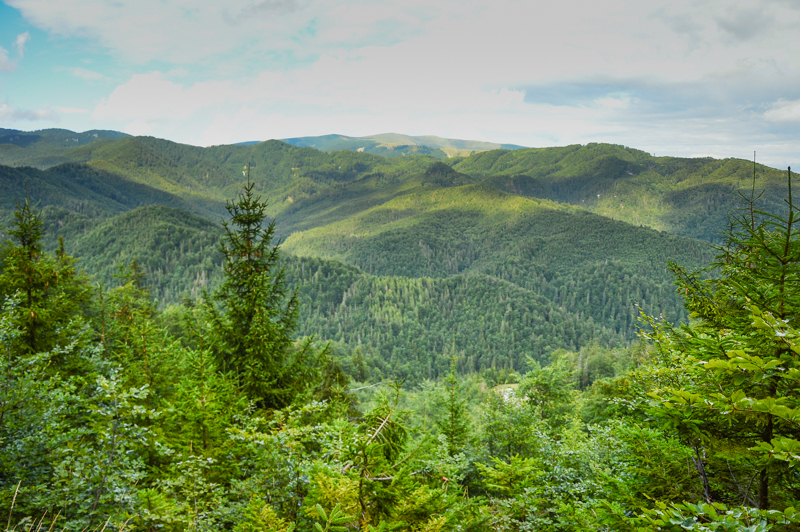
column 399, row 256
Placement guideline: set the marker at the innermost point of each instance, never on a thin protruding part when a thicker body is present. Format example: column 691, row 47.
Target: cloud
column 12, row 114
column 266, row 8
column 512, row 43
column 168, row 30
column 746, row 24
column 150, row 98
column 784, row 111
column 84, row 73
column 19, row 44
column 6, row 63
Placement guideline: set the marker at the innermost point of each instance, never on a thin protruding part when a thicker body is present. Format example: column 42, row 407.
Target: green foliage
column 335, row 522
column 71, row 443
column 713, row 517
column 550, row 391
column 732, row 388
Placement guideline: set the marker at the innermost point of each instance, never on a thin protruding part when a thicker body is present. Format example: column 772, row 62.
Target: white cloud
column 5, row 62
column 150, row 98
column 171, row 30
column 364, row 97
column 85, row 73
column 523, row 39
column 12, row 114
column 22, row 40
column 784, row 111
column 614, row 102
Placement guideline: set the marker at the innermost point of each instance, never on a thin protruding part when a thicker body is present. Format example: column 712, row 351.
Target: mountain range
column 508, row 253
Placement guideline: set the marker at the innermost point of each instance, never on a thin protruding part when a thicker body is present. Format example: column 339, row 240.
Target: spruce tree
column 454, row 424
column 252, row 316
column 733, row 393
column 49, row 292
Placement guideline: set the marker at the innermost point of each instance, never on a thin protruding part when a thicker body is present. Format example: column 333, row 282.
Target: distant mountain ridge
column 309, row 187
column 47, row 147
column 396, row 144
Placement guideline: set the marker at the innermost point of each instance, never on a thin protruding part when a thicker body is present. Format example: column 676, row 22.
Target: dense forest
column 211, row 416
column 468, row 256
column 394, row 344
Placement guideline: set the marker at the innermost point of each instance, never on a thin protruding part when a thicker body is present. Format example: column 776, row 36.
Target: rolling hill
column 402, row 326
column 516, row 252
column 689, row 197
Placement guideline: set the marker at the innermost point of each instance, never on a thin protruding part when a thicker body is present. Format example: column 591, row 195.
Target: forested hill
column 591, row 266
column 497, row 312
column 47, row 147
column 689, row 197
column 487, row 236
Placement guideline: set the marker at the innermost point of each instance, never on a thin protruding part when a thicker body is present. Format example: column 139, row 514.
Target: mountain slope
column 404, row 327
column 177, row 251
column 689, row 197
column 74, row 195
column 583, row 262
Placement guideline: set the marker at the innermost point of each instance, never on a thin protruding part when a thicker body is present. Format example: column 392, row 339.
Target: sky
column 678, row 77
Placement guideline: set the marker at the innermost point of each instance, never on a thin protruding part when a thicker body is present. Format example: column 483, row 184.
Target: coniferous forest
column 272, row 338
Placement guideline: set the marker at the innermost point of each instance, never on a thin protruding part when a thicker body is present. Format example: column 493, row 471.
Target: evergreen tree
column 454, row 424
column 250, row 316
column 734, row 387
column 48, row 290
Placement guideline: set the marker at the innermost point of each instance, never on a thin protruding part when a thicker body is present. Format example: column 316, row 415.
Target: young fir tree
column 454, row 424
column 251, row 318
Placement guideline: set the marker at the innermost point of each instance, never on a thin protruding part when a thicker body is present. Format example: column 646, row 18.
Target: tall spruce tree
column 252, row 316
